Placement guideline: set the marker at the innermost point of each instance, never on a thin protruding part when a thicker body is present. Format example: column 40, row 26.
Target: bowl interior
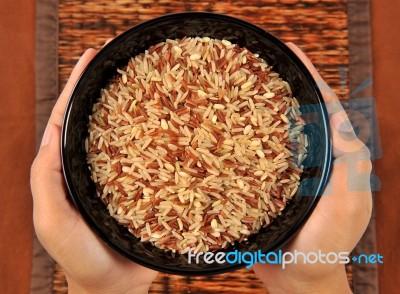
column 135, row 41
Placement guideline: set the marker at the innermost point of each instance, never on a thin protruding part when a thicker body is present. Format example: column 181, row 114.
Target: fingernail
column 46, row 136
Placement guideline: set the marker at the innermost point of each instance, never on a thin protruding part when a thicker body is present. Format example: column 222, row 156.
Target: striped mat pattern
column 319, row 27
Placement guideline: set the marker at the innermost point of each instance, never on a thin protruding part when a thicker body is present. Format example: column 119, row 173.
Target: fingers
column 59, row 108
column 344, row 139
column 352, row 168
column 46, row 177
column 329, row 95
column 107, row 41
column 47, row 183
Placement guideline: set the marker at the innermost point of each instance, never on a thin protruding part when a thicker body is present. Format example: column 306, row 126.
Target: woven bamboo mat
column 319, row 27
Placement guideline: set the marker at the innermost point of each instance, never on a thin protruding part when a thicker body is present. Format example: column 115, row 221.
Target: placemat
column 295, row 21
column 319, row 27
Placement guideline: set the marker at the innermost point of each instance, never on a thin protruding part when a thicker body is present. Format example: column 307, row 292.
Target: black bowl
column 135, row 41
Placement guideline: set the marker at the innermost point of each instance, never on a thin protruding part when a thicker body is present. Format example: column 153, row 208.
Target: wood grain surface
column 318, row 27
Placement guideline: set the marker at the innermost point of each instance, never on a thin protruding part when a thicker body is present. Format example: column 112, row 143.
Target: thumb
column 50, row 206
column 343, row 136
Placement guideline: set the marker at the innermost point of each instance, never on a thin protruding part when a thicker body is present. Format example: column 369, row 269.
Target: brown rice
column 197, row 143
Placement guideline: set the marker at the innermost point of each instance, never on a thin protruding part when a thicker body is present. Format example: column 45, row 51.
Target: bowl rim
column 325, row 172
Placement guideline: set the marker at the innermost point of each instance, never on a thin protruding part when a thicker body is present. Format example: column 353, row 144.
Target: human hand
column 340, row 217
column 89, row 264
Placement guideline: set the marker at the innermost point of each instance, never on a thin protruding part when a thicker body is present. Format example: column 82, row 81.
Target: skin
column 90, row 266
column 341, row 216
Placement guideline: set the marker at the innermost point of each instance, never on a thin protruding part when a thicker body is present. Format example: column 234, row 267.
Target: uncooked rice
column 196, row 143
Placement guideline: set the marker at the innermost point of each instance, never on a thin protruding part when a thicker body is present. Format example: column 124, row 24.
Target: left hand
column 89, row 264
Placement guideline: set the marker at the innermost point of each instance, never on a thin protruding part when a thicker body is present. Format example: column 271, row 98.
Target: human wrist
column 333, row 282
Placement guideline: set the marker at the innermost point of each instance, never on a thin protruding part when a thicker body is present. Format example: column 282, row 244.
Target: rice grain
column 196, row 143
